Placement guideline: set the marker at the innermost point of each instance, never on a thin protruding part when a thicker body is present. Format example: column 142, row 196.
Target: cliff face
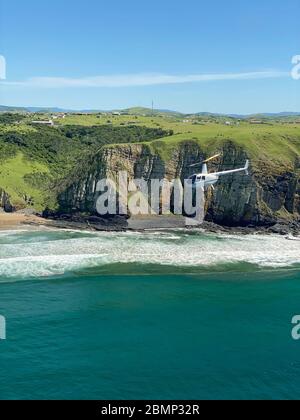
column 5, row 203
column 268, row 195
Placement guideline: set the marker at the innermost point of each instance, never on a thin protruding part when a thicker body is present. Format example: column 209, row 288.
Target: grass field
column 276, row 142
column 13, row 174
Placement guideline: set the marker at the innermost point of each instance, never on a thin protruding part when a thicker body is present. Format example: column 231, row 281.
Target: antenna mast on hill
column 152, row 108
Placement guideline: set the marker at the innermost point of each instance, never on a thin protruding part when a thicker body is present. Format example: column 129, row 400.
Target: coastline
column 16, row 220
column 9, row 221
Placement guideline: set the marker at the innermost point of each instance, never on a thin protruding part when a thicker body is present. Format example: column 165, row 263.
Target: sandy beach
column 16, row 220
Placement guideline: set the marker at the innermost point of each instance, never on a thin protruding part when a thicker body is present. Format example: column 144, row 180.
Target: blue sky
column 231, row 57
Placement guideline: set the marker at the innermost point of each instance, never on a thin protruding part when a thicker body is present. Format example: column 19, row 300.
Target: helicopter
column 207, row 180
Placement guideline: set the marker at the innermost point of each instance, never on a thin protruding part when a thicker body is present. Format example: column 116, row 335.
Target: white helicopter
column 206, row 180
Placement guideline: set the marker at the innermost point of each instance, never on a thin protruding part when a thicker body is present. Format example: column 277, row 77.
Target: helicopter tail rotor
column 247, row 167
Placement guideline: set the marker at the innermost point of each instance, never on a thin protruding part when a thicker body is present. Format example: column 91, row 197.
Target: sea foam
column 44, row 254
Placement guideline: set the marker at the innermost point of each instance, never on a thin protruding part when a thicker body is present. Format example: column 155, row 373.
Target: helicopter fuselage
column 206, row 180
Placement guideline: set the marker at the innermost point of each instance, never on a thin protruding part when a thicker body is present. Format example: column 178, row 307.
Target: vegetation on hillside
column 10, row 118
column 61, row 147
column 35, row 159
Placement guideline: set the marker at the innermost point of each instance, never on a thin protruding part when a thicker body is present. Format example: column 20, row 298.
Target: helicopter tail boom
column 233, row 171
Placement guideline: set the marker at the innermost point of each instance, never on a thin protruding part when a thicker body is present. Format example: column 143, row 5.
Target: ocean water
column 156, row 315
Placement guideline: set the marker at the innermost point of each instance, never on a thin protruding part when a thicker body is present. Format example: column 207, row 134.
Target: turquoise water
column 165, row 315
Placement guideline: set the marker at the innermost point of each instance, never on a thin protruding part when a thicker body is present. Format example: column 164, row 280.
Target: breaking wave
column 28, row 254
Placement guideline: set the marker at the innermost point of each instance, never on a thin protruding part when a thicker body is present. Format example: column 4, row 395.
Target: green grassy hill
column 274, row 145
column 19, row 178
column 277, row 143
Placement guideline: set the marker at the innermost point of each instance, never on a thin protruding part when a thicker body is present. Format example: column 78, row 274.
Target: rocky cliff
column 270, row 193
column 5, row 203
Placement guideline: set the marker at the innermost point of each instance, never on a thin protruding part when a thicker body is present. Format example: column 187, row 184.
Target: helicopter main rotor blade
column 195, row 164
column 212, row 158
column 206, row 161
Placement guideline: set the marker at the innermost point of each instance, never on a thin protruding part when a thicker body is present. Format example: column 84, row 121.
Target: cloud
column 131, row 80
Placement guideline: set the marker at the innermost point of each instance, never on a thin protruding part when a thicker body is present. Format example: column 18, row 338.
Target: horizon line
column 162, row 110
